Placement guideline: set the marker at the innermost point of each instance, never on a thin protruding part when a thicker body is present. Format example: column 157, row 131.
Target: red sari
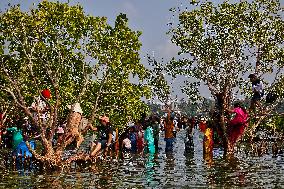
column 237, row 125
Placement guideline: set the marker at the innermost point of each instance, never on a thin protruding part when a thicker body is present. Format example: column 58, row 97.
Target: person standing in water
column 105, row 136
column 169, row 131
column 237, row 125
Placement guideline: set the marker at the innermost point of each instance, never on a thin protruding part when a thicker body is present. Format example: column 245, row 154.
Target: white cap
column 77, row 108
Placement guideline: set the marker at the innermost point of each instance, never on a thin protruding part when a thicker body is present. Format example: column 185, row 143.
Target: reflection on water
column 163, row 170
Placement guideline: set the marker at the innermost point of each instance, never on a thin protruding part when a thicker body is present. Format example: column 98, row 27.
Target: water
column 176, row 170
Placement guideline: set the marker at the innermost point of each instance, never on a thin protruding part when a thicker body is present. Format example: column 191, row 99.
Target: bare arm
column 92, row 128
column 230, row 111
column 109, row 139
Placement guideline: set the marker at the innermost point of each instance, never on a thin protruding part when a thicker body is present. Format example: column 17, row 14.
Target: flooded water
column 176, row 170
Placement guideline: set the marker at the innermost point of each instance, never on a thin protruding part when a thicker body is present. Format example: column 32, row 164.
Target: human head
column 131, row 129
column 26, row 119
column 252, row 77
column 202, row 119
column 46, row 93
column 237, row 104
column 104, row 120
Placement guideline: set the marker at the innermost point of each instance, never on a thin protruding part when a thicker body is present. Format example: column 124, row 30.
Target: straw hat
column 77, row 108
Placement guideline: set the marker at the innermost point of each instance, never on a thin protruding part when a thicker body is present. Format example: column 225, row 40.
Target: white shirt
column 257, row 87
column 39, row 105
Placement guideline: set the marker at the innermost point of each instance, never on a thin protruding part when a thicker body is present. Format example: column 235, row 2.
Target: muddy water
column 175, row 170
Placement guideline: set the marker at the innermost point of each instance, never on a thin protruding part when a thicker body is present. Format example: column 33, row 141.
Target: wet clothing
column 149, row 139
column 208, row 141
column 104, row 131
column 103, row 134
column 202, row 126
column 133, row 139
column 23, row 150
column 169, row 129
column 169, row 144
column 237, row 125
column 140, row 138
column 169, row 134
column 156, row 133
column 17, row 136
column 156, row 130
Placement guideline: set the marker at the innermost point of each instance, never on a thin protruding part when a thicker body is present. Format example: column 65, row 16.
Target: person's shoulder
column 258, row 81
column 109, row 127
column 237, row 109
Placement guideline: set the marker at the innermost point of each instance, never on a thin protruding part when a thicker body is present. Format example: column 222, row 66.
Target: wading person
column 156, row 131
column 133, row 138
column 169, row 132
column 104, row 136
column 208, row 145
column 149, row 138
column 140, row 137
column 237, row 125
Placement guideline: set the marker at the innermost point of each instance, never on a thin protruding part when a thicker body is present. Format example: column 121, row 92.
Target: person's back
column 17, row 136
column 240, row 116
column 140, row 138
column 169, row 132
column 202, row 125
column 149, row 139
column 237, row 125
column 169, row 128
column 156, row 130
column 156, row 133
column 133, row 139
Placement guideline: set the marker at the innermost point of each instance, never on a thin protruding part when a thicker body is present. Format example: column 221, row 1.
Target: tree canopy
column 79, row 58
column 222, row 44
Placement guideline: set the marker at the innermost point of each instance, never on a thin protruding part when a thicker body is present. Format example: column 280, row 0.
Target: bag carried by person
column 271, row 97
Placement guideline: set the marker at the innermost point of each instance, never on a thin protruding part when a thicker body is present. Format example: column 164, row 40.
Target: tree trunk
column 222, row 102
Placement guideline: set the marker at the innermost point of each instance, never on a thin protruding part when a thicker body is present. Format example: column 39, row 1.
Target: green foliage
column 79, row 57
column 157, row 80
column 221, row 44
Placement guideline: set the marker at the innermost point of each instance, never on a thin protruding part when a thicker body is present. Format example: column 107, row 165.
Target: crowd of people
column 141, row 136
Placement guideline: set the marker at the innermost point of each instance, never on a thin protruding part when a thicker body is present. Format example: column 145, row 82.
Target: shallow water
column 176, row 170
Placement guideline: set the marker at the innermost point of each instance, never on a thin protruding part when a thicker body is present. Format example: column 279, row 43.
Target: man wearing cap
column 257, row 89
column 104, row 135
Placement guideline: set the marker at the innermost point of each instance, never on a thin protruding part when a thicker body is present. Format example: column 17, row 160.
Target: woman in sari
column 237, row 125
